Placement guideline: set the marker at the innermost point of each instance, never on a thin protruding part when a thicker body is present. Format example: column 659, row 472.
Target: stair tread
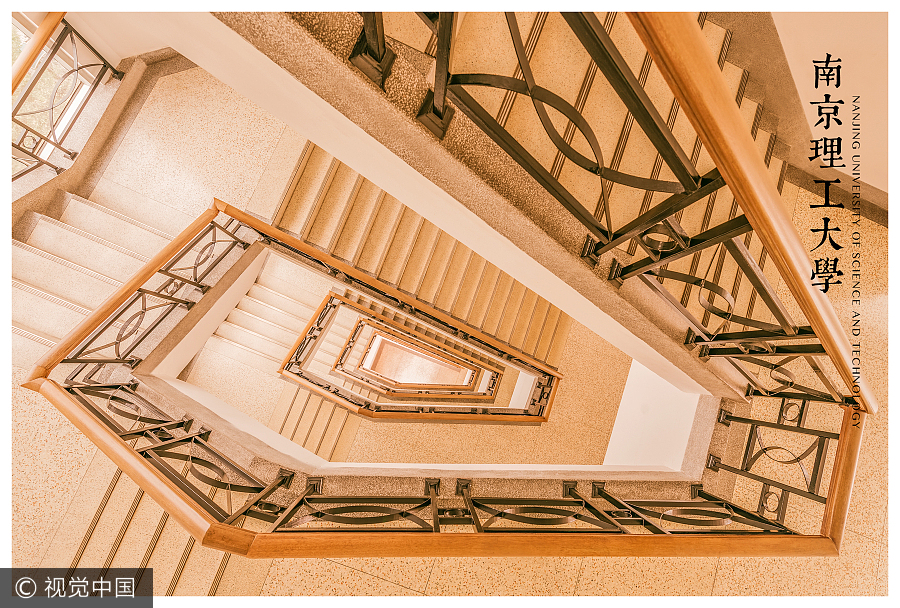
column 511, row 311
column 362, row 213
column 401, row 245
column 497, row 305
column 465, row 294
column 52, row 273
column 307, row 193
column 335, row 205
column 85, row 249
column 114, row 226
column 437, row 268
column 380, row 234
column 453, row 278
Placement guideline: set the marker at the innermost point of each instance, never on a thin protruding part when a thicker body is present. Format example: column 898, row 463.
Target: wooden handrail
column 678, row 48
column 52, row 357
column 169, row 496
column 203, row 527
column 33, row 48
column 843, row 473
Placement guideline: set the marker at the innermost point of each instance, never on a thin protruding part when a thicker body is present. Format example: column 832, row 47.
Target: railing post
column 435, row 113
column 370, row 54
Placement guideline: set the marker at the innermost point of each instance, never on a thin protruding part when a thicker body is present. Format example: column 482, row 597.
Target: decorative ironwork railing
column 115, row 340
column 45, row 111
column 760, row 351
column 164, row 442
column 147, row 444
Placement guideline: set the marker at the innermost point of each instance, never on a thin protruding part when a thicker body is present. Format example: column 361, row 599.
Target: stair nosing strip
column 250, row 331
column 252, row 350
column 20, row 331
column 92, row 237
column 64, row 262
column 267, row 305
column 122, row 217
column 250, row 314
column 17, row 284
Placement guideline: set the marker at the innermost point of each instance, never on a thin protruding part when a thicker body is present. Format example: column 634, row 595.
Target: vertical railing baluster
column 373, row 26
column 371, row 54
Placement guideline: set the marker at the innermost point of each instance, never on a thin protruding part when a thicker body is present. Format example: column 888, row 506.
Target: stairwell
column 66, row 267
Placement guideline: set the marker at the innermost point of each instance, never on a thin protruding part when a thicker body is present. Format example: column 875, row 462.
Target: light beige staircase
column 337, row 211
column 66, row 267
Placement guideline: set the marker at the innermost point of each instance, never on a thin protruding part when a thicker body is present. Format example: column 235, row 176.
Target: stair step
column 523, row 319
column 272, row 314
column 453, row 278
column 401, row 246
column 291, row 421
column 139, row 535
column 201, row 565
column 110, row 523
column 114, row 227
column 50, row 314
column 289, row 279
column 263, row 327
column 471, row 279
column 85, row 249
column 437, row 268
column 511, row 311
column 483, row 294
column 53, row 274
column 253, row 340
column 303, row 430
column 283, row 406
column 345, row 440
column 558, row 344
column 166, row 555
column 244, row 354
column 348, row 244
column 547, row 332
column 417, row 262
column 497, row 304
column 334, row 208
column 28, row 346
column 538, row 317
column 332, row 432
column 309, row 191
column 282, row 302
column 319, row 426
column 379, row 238
column 469, row 56
column 145, row 210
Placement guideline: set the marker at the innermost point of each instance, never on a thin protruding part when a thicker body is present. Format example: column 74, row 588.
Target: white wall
column 653, row 424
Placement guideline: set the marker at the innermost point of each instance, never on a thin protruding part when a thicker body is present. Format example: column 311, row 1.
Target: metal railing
column 40, row 126
column 144, row 441
column 605, row 523
column 758, row 350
